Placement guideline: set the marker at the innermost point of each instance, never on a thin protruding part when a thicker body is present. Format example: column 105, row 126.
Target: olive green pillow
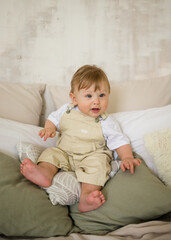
column 130, row 198
column 25, row 209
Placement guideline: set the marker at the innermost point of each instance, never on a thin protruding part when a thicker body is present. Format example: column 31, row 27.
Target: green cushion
column 25, row 209
column 130, row 198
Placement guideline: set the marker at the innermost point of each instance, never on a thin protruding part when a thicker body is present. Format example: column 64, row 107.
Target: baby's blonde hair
column 88, row 75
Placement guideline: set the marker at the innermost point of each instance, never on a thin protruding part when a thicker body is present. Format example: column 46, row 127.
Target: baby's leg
column 41, row 174
column 91, row 197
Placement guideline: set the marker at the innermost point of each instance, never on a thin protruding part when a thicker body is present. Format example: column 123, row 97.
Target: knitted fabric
column 65, row 189
column 27, row 150
column 158, row 145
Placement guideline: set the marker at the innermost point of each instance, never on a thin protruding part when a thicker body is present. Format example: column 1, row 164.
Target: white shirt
column 111, row 130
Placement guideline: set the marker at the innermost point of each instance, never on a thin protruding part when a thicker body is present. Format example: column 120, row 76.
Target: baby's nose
column 96, row 100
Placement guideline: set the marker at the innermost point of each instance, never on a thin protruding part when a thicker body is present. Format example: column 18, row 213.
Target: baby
column 88, row 136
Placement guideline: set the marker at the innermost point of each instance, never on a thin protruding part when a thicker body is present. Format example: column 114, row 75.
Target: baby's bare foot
column 34, row 173
column 91, row 201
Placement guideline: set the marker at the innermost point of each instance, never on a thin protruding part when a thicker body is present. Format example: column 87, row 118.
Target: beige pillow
column 127, row 96
column 21, row 102
column 140, row 95
column 158, row 144
column 60, row 95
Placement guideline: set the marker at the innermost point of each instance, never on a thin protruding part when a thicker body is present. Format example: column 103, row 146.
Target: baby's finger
column 132, row 168
column 41, row 133
column 46, row 136
column 127, row 165
column 137, row 161
column 53, row 134
column 122, row 167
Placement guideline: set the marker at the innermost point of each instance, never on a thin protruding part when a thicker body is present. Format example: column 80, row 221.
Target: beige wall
column 47, row 40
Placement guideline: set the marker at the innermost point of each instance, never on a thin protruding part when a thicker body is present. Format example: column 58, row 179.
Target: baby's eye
column 88, row 96
column 102, row 95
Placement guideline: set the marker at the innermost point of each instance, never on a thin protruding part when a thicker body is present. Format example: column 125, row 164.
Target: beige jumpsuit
column 81, row 148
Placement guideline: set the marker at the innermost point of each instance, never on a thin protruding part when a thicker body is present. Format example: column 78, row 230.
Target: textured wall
column 47, row 40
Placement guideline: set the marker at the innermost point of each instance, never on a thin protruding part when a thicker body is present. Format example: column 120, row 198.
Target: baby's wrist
column 127, row 158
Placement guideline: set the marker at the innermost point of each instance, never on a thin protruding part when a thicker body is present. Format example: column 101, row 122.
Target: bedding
column 122, row 207
column 151, row 230
column 119, row 218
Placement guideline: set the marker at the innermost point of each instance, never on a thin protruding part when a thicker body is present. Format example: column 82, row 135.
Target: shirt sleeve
column 112, row 133
column 55, row 116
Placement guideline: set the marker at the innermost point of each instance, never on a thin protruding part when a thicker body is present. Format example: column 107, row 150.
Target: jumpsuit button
column 101, row 144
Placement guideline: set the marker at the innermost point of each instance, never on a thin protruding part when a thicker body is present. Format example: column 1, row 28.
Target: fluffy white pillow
column 158, row 144
column 136, row 124
column 21, row 102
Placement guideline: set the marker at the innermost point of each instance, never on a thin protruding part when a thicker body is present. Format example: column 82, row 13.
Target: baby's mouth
column 95, row 110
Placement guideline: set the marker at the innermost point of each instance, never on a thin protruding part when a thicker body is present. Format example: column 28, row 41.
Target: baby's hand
column 46, row 133
column 129, row 163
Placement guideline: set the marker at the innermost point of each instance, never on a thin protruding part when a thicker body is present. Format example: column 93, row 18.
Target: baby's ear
column 73, row 98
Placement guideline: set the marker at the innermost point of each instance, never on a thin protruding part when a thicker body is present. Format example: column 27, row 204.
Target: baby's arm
column 127, row 159
column 48, row 131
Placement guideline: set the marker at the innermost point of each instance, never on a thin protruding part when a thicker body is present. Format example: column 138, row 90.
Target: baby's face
column 90, row 102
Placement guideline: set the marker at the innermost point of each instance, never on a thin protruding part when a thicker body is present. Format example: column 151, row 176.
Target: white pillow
column 136, row 124
column 12, row 132
column 158, row 144
column 21, row 102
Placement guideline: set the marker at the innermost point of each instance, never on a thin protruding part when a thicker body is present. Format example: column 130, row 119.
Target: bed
column 137, row 206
